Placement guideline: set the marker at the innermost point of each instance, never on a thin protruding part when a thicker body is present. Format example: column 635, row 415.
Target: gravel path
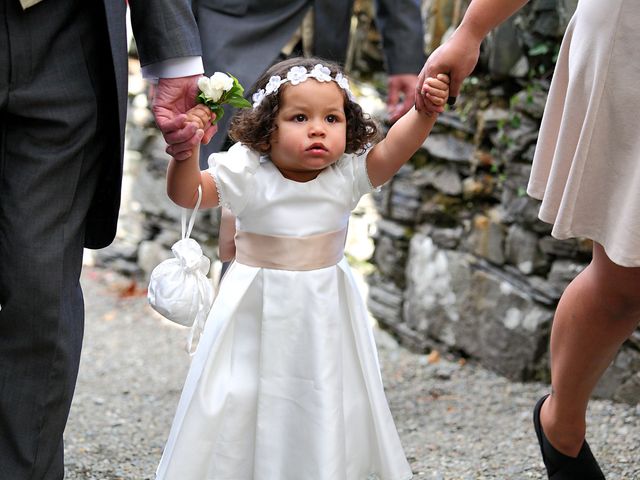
column 456, row 420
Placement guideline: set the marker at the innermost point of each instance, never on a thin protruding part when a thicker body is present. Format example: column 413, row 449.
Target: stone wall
column 462, row 262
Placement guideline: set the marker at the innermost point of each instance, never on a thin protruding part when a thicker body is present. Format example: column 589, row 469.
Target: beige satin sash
column 28, row 3
column 290, row 253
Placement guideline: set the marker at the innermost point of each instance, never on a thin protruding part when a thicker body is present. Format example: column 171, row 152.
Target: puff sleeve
column 354, row 167
column 234, row 174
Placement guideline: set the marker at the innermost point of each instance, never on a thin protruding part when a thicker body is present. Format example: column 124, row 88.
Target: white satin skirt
column 285, row 385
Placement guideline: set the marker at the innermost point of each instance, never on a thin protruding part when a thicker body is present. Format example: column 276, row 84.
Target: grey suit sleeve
column 402, row 30
column 164, row 29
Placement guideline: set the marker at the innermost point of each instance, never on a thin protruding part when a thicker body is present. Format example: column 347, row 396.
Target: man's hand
column 173, row 97
column 457, row 57
column 398, row 85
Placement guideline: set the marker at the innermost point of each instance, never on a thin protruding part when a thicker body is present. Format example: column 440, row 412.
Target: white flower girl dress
column 285, row 383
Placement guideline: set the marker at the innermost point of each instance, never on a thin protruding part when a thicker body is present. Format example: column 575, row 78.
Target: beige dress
column 586, row 168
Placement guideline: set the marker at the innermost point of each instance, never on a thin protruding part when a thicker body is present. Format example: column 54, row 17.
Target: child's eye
column 299, row 118
column 332, row 118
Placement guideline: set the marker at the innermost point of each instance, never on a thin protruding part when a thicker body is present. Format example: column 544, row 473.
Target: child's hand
column 200, row 115
column 436, row 91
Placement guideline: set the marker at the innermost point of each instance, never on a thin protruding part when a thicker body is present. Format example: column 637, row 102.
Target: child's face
column 311, row 131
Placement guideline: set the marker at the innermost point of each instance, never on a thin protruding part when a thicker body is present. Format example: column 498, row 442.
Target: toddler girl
column 285, row 383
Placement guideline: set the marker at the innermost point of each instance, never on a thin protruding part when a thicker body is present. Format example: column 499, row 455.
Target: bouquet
column 218, row 89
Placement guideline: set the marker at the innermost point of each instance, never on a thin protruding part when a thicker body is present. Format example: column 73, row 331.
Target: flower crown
column 298, row 75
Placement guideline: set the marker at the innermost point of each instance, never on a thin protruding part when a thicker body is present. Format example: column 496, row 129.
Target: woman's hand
column 457, row 57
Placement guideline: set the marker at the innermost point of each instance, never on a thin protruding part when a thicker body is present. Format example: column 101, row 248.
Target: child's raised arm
column 184, row 176
column 407, row 134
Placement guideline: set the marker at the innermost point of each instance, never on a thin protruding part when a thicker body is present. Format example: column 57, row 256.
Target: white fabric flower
column 258, row 97
column 321, row 73
column 342, row 81
column 273, row 84
column 297, row 75
column 214, row 86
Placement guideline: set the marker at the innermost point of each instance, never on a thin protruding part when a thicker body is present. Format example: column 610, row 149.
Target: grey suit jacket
column 244, row 37
column 163, row 29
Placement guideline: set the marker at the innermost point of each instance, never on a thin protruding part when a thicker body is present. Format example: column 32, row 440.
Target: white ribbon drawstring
column 204, row 294
column 187, row 232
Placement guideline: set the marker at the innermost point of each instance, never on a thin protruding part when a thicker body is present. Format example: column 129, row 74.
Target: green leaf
column 237, row 86
column 219, row 112
column 235, row 90
column 539, row 49
column 236, row 96
column 239, row 102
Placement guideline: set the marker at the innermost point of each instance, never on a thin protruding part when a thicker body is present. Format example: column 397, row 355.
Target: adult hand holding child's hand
column 172, row 99
column 435, row 92
column 457, row 58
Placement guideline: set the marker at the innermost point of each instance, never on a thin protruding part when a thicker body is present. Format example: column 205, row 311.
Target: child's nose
column 316, row 128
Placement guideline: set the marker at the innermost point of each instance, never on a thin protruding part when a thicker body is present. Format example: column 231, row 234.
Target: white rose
column 221, row 82
column 214, row 86
column 205, row 87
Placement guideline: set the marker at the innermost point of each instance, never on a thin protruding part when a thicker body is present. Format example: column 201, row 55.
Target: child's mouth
column 317, row 148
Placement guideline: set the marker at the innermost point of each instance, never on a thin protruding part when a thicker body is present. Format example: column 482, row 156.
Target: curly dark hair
column 254, row 126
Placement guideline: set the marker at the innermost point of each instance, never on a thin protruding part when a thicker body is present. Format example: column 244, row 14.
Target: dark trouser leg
column 52, row 134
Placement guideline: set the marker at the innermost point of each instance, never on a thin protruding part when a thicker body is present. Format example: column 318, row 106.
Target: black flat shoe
column 560, row 466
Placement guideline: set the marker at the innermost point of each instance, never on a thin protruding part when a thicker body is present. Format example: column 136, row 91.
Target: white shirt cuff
column 173, row 68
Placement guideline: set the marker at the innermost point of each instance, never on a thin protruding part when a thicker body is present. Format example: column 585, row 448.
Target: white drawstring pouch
column 179, row 289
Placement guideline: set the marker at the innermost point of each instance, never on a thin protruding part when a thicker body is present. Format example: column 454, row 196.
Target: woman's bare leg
column 597, row 312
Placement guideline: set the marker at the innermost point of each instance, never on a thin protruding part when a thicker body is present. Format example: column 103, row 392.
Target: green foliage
column 543, row 57
column 515, row 120
column 539, row 49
